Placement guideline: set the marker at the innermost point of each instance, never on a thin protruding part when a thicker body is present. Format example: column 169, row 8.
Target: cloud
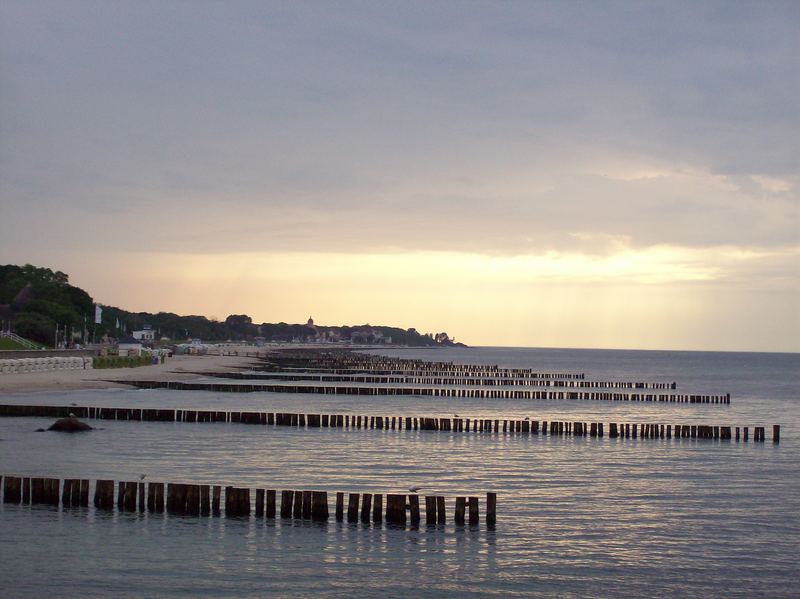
column 361, row 127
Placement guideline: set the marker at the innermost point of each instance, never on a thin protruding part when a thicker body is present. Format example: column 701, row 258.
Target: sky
column 542, row 174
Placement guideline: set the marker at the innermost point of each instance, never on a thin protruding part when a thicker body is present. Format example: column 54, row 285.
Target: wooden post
column 461, row 504
column 259, row 503
column 286, row 503
column 66, row 493
column 413, row 501
column 352, row 507
column 176, row 498
column 377, row 508
column 230, row 501
column 366, row 506
column 297, row 511
column 339, row 506
column 491, row 509
column 244, row 502
column 83, row 494
column 306, row 505
column 120, row 495
column 151, row 496
column 319, row 506
column 396, row 509
column 440, row 510
column 216, row 493
column 12, row 489
column 236, row 501
column 430, row 510
column 37, row 487
column 205, row 503
column 193, row 500
column 182, row 498
column 53, row 491
column 776, row 433
column 44, row 490
column 170, row 497
column 474, row 518
column 104, row 494
column 130, row 496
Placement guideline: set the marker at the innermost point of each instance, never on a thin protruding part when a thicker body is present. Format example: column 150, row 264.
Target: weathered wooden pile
column 206, row 500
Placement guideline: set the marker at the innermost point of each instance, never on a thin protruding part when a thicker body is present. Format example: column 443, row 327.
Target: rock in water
column 69, row 425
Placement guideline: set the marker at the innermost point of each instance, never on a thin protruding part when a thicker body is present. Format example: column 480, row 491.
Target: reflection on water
column 579, row 516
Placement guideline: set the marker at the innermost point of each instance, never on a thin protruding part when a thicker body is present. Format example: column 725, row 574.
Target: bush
column 121, row 361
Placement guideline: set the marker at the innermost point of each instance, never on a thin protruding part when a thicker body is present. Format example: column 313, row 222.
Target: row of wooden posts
column 206, row 500
column 347, row 361
column 438, row 380
column 501, row 373
column 429, row 392
column 348, row 421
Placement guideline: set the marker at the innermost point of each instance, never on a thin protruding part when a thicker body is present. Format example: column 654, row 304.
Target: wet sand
column 177, row 368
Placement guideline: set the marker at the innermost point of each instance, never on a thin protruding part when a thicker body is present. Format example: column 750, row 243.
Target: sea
column 576, row 516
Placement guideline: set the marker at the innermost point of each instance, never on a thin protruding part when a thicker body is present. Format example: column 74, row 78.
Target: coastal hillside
column 40, row 304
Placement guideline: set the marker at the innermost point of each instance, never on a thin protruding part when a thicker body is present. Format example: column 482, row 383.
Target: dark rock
column 69, row 425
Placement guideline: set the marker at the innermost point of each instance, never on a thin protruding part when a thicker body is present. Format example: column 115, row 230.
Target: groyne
column 186, row 499
column 418, row 379
column 452, row 392
column 526, row 426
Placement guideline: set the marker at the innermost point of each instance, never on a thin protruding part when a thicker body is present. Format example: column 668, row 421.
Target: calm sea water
column 576, row 516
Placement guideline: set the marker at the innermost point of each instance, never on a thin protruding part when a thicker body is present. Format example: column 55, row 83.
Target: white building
column 130, row 347
column 146, row 334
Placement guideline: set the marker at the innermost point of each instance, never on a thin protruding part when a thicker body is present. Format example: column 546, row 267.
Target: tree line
column 34, row 301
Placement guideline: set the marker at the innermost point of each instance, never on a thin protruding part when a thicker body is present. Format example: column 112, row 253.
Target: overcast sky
column 600, row 174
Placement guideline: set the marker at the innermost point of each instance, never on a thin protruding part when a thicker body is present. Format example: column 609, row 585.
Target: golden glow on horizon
column 655, row 265
column 659, row 297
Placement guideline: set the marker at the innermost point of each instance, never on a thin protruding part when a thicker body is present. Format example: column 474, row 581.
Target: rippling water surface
column 576, row 516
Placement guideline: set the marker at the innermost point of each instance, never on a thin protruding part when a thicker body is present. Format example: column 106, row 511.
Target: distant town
column 39, row 304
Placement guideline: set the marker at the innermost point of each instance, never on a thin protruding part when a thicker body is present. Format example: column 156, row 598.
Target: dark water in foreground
column 576, row 516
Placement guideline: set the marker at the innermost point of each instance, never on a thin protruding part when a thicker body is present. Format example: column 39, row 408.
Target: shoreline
column 176, row 368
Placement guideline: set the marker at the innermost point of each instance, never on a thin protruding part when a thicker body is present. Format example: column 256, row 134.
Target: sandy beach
column 177, row 368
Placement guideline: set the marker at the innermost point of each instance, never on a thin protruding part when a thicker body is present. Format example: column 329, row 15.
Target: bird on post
column 414, row 489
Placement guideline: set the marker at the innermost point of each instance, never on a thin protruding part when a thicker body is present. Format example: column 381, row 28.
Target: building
column 147, row 334
column 129, row 346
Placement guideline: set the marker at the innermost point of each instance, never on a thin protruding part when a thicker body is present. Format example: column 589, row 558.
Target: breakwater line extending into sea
column 185, row 499
column 429, row 392
column 358, row 422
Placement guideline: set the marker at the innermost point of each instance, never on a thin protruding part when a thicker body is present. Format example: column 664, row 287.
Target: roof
column 129, row 341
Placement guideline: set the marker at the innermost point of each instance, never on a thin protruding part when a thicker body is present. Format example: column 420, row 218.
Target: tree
column 36, row 327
